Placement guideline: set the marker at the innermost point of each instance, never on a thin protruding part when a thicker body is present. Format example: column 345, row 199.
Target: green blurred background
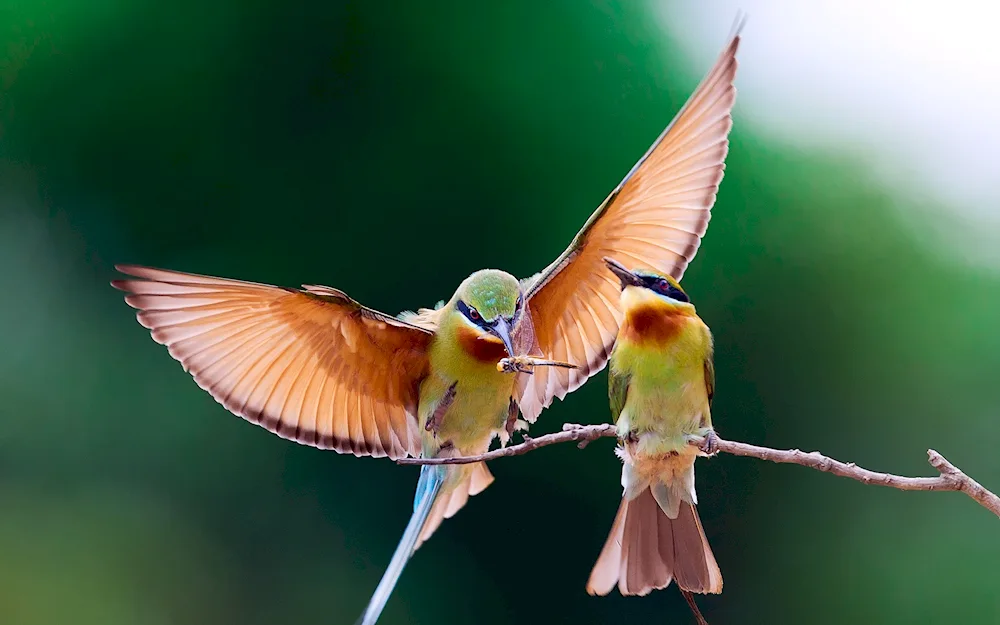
column 363, row 145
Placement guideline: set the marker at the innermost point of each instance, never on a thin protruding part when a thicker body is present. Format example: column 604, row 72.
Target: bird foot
column 510, row 426
column 709, row 443
column 445, row 447
column 434, row 422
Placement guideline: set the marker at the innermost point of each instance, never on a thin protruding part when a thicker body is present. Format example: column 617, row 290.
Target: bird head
column 648, row 286
column 489, row 306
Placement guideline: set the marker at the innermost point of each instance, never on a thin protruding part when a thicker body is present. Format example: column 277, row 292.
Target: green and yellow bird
column 661, row 382
column 314, row 366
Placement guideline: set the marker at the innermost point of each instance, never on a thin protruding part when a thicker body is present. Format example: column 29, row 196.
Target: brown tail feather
column 646, row 550
column 451, row 501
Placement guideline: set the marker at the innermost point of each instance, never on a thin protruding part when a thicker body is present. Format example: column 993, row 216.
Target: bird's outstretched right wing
column 310, row 365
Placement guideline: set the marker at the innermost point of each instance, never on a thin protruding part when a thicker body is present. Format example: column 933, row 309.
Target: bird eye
column 473, row 314
column 663, row 285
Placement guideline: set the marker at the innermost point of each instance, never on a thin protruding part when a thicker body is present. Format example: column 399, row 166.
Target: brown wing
column 312, row 366
column 654, row 219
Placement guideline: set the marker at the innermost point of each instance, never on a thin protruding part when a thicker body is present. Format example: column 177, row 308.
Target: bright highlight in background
column 913, row 89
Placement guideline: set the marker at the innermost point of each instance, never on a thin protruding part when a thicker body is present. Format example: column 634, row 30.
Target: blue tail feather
column 428, row 488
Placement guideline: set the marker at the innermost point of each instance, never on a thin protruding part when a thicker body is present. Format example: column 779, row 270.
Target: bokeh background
column 391, row 148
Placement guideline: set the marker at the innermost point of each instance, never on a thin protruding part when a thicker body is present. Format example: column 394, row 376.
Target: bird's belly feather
column 667, row 399
column 479, row 408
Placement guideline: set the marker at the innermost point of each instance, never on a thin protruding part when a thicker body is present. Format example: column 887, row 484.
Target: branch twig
column 582, row 434
column 951, row 478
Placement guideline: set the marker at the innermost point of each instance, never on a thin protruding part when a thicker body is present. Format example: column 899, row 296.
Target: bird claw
column 709, row 443
column 510, row 426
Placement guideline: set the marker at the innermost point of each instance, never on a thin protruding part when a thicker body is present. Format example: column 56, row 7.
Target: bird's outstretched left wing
column 654, row 219
column 313, row 366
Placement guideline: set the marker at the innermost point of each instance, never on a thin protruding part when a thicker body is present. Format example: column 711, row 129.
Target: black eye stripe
column 678, row 294
column 464, row 309
column 659, row 285
column 467, row 310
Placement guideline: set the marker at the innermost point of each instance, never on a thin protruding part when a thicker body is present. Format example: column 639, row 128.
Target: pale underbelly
column 663, row 421
column 474, row 418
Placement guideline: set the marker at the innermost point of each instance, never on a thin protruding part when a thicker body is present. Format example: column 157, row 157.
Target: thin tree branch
column 951, row 478
column 582, row 434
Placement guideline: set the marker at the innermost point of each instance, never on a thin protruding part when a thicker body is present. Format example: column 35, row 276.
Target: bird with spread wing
column 314, row 366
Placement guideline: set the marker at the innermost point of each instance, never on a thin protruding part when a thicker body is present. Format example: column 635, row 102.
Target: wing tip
column 739, row 22
column 135, row 271
column 727, row 58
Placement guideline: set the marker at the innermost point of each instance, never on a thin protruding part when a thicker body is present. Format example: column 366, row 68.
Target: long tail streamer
column 428, row 488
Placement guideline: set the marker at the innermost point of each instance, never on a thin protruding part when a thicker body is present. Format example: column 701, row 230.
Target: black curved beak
column 502, row 330
column 627, row 277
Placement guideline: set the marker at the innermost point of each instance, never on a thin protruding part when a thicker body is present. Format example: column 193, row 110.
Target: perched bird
column 317, row 367
column 661, row 382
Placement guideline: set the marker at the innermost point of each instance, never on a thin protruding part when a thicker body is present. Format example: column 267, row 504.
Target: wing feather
column 654, row 219
column 313, row 365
